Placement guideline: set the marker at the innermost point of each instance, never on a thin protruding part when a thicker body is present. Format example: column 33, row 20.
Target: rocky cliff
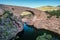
column 39, row 20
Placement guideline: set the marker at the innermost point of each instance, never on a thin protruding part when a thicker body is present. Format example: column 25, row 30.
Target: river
column 31, row 33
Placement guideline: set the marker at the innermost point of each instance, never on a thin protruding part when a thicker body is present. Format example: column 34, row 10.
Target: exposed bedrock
column 39, row 20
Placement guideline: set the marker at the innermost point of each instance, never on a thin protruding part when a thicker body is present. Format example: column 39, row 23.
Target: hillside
column 48, row 8
column 39, row 19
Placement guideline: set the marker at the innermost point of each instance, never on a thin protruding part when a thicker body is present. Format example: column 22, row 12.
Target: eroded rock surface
column 9, row 26
column 42, row 22
column 39, row 20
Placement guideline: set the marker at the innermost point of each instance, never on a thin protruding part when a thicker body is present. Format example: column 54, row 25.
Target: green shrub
column 53, row 13
column 45, row 37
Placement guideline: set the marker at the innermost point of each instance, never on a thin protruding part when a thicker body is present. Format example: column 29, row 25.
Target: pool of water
column 31, row 33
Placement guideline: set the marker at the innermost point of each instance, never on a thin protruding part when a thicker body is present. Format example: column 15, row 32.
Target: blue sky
column 31, row 3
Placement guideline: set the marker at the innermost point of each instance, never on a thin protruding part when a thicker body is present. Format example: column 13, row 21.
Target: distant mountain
column 48, row 8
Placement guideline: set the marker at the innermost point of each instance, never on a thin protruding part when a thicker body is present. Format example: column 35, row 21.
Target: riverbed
column 31, row 33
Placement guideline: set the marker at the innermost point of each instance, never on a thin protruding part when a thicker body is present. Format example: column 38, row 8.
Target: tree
column 58, row 6
column 53, row 13
column 45, row 37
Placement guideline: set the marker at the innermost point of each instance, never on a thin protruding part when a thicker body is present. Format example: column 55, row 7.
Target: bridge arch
column 27, row 13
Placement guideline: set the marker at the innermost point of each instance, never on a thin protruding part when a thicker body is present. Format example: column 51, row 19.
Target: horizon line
column 30, row 7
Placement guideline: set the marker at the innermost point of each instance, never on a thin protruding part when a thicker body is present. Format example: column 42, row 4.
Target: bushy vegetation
column 58, row 6
column 53, row 13
column 8, row 28
column 45, row 37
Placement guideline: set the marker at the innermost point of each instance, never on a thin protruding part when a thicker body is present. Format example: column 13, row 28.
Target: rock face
column 9, row 26
column 39, row 20
column 52, row 24
column 42, row 22
column 18, row 10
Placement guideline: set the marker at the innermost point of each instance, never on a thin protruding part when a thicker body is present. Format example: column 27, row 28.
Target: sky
column 31, row 3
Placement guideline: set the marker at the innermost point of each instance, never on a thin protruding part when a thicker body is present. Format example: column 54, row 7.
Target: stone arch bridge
column 41, row 20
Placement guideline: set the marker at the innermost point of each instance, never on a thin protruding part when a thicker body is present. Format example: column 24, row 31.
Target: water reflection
column 31, row 33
